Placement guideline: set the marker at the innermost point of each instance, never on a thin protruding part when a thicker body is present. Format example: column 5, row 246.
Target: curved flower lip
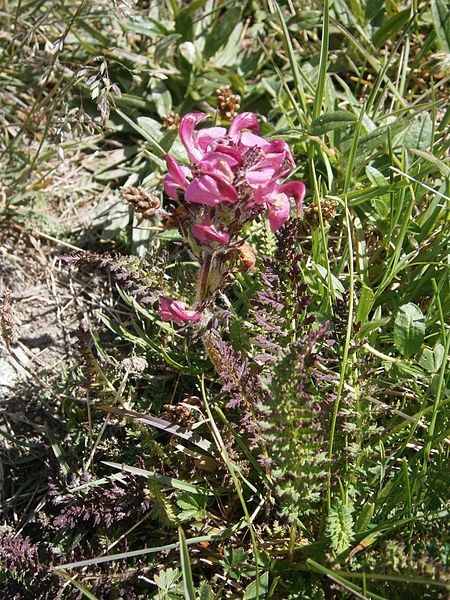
column 246, row 120
column 296, row 190
column 175, row 310
column 279, row 211
column 207, row 233
column 211, row 191
column 198, row 142
column 176, row 177
column 205, row 137
column 186, row 129
column 279, row 205
column 218, row 157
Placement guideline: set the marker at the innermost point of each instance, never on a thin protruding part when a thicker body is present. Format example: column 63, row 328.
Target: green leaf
column 189, row 590
column 339, row 527
column 440, row 11
column 337, row 285
column 365, row 516
column 189, row 52
column 419, row 133
column 162, row 99
column 250, row 592
column 431, row 360
column 161, row 479
column 205, row 591
column 375, row 10
column 409, row 329
column 331, row 121
column 365, row 304
column 221, row 31
column 390, row 27
column 428, row 156
column 184, row 22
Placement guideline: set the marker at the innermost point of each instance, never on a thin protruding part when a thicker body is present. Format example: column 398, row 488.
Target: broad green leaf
column 375, row 11
column 409, row 329
column 337, row 285
column 390, row 27
column 440, row 10
column 184, row 21
column 371, row 141
column 419, row 133
column 365, row 516
column 162, row 99
column 228, row 55
column 221, row 31
column 365, row 304
column 331, row 121
column 306, row 19
column 431, row 360
column 189, row 52
column 250, row 592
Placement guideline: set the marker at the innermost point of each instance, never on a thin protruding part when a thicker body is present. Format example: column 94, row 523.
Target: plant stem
column 203, row 278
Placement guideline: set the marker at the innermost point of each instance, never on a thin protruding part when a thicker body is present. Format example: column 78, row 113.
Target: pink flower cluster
column 238, row 168
column 233, row 177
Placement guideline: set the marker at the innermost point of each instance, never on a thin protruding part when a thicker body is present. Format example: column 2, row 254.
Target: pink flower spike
column 296, row 190
column 175, row 310
column 207, row 233
column 186, row 129
column 176, row 177
column 245, row 120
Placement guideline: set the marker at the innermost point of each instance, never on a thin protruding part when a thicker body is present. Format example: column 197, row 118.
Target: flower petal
column 296, row 190
column 211, row 191
column 207, row 233
column 186, row 129
column 175, row 310
column 279, row 210
column 246, row 120
column 205, row 137
column 176, row 177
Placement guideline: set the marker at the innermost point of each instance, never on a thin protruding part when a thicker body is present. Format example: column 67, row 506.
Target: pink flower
column 211, row 191
column 238, row 170
column 197, row 142
column 207, row 233
column 177, row 177
column 279, row 205
column 175, row 310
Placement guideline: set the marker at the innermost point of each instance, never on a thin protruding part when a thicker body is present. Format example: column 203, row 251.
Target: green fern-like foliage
column 162, row 508
column 294, row 432
column 339, row 527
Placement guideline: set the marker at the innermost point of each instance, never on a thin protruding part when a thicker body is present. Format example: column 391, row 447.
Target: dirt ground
column 48, row 302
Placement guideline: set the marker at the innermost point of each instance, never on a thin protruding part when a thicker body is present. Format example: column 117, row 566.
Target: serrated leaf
column 409, row 329
column 440, row 11
column 419, row 133
column 331, row 121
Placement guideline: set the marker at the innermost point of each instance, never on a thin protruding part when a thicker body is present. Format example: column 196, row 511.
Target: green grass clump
column 297, row 447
